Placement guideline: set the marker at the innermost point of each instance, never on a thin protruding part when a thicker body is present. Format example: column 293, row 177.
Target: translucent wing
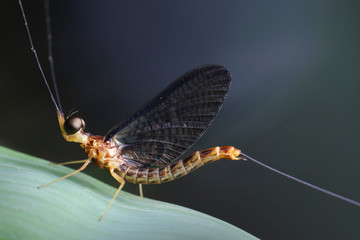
column 172, row 121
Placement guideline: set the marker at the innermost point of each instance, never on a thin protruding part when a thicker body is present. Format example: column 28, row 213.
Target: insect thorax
column 103, row 154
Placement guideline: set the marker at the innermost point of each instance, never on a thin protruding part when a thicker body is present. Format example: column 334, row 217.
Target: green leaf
column 70, row 208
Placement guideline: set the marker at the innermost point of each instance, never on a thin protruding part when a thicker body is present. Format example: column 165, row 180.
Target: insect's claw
column 236, row 154
column 241, row 157
column 238, row 158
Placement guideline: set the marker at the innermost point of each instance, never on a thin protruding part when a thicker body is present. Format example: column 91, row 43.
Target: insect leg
column 122, row 183
column 70, row 162
column 140, row 190
column 70, row 174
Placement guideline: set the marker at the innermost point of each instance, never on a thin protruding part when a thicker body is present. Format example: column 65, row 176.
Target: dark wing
column 171, row 122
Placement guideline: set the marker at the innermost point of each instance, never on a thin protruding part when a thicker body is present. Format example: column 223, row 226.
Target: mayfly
column 146, row 147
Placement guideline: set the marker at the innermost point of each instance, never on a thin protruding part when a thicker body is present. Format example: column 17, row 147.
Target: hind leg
column 140, row 190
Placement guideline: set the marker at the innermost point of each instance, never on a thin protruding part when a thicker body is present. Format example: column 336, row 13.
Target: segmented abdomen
column 179, row 168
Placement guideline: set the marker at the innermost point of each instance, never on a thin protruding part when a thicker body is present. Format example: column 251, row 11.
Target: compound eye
column 73, row 125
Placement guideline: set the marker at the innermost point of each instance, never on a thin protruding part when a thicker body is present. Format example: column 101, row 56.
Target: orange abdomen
column 179, row 168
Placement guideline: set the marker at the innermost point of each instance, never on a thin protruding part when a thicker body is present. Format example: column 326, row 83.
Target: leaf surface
column 70, row 208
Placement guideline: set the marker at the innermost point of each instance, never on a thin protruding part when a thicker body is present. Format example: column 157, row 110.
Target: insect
column 146, row 148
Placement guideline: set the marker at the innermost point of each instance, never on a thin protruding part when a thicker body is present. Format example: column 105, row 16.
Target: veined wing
column 172, row 121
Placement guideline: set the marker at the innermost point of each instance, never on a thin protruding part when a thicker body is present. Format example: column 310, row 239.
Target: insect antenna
column 56, row 104
column 244, row 156
column 50, row 51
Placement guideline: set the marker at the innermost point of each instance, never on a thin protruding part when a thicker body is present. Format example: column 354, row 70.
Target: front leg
column 67, row 163
column 87, row 162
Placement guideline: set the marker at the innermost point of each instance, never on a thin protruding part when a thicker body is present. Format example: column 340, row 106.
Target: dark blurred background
column 293, row 103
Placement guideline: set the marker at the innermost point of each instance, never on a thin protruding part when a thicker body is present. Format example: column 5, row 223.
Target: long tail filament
column 245, row 157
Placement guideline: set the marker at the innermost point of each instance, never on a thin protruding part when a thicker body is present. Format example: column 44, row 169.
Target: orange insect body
column 107, row 155
column 177, row 169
